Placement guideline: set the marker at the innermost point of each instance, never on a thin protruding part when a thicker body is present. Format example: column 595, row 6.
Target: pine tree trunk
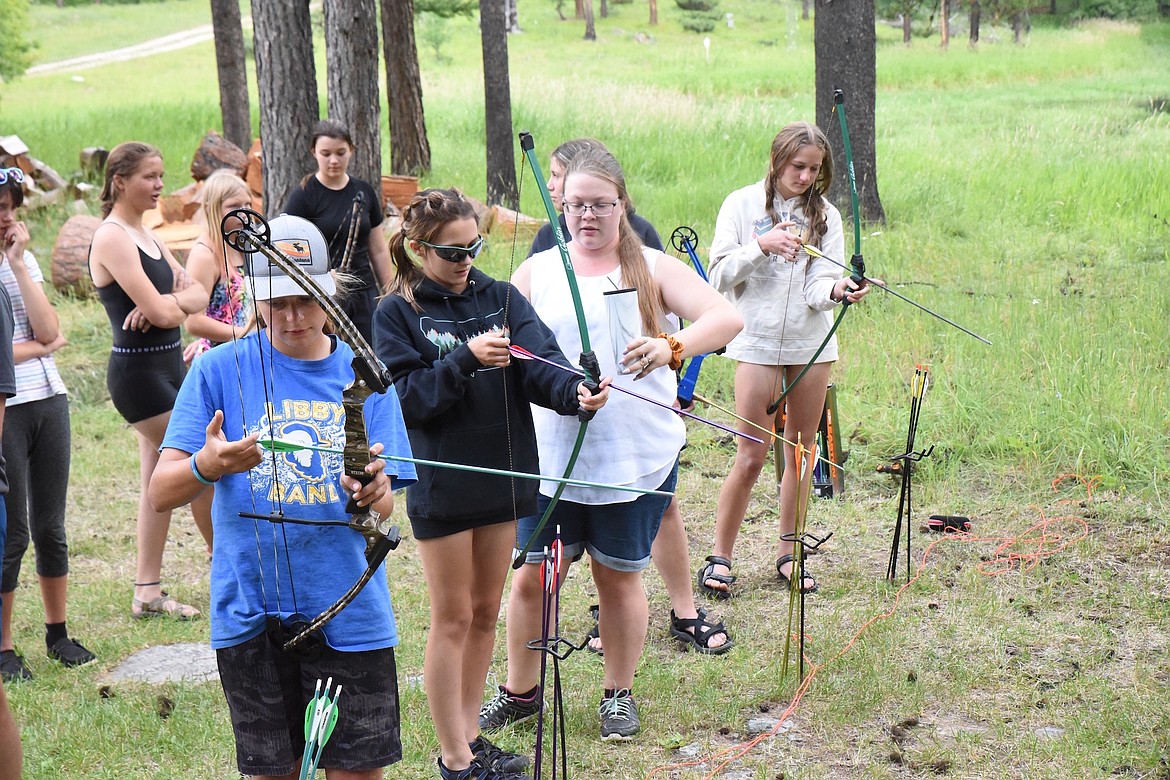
column 231, row 67
column 501, row 155
column 805, row 8
column 944, row 24
column 410, row 152
column 604, row 9
column 590, row 30
column 653, row 12
column 287, row 81
column 846, row 59
column 976, row 12
column 906, row 31
column 351, row 52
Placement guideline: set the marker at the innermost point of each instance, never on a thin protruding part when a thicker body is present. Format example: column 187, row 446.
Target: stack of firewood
column 42, row 184
column 176, row 221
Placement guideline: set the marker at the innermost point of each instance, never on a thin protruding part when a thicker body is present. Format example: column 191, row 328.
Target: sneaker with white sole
column 619, row 717
column 505, row 708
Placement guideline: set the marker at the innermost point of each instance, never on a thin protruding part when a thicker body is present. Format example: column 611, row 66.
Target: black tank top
column 118, row 304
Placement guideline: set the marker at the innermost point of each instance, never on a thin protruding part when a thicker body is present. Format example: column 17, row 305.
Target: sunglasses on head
column 456, row 254
column 16, row 174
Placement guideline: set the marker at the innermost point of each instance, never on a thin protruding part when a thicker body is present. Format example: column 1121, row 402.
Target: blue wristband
column 200, row 477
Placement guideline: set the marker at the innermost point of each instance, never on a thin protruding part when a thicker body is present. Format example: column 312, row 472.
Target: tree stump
column 70, row 266
column 216, row 152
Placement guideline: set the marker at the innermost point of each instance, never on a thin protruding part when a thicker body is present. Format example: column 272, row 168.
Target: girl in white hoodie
column 786, row 298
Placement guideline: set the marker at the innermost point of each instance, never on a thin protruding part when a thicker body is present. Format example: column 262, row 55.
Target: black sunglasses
column 456, row 254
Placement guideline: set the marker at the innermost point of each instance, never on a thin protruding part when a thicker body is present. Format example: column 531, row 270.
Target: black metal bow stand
column 800, row 542
column 552, row 645
column 906, row 463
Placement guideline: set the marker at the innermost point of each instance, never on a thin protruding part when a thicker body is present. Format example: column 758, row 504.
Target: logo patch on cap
column 297, row 250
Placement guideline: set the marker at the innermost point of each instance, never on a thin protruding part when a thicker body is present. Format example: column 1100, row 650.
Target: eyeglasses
column 457, row 254
column 16, row 174
column 603, row 209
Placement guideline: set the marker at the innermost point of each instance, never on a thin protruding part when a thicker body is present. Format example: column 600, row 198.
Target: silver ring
column 645, row 361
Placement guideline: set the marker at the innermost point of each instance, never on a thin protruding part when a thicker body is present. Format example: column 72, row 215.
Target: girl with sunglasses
column 444, row 332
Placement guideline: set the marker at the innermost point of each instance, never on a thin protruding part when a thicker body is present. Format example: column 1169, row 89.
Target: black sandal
column 695, row 633
column 804, row 573
column 707, row 572
column 595, row 632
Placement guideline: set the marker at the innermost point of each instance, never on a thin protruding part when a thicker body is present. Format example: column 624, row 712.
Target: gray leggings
column 36, row 448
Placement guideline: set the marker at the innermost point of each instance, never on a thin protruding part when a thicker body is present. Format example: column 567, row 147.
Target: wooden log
column 182, row 204
column 254, row 176
column 398, row 190
column 70, row 260
column 505, row 223
column 216, row 152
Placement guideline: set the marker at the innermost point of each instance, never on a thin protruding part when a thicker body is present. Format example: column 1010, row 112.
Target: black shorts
column 145, row 384
column 435, row 529
column 267, row 692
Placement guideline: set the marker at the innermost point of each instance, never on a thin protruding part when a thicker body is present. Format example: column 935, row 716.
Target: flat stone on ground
column 186, row 661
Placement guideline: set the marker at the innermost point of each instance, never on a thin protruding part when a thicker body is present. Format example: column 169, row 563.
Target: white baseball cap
column 300, row 241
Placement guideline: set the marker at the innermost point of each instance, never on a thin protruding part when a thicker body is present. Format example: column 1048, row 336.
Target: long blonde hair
column 217, row 188
column 602, row 165
column 785, row 146
column 428, row 213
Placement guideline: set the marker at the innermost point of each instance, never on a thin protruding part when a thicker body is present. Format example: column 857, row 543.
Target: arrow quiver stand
column 906, row 461
column 800, row 543
column 552, row 645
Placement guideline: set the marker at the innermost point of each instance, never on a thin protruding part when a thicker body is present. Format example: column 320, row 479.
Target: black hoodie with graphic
column 455, row 407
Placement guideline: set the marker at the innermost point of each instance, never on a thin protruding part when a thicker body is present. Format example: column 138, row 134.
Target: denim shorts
column 618, row 536
column 267, row 691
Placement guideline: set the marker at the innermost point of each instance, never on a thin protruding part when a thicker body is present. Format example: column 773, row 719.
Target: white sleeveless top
column 629, row 442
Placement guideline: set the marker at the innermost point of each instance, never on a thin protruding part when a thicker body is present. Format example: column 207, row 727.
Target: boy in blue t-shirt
column 285, row 382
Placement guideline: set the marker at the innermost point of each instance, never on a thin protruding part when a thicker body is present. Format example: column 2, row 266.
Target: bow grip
column 592, row 371
column 857, row 262
column 356, row 455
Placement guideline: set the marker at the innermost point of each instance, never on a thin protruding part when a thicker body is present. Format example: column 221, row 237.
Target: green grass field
column 1026, row 193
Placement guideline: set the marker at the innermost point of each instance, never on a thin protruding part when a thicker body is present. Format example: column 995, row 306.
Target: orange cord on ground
column 1023, row 552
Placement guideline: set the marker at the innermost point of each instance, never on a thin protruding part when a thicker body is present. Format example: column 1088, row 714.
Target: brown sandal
column 161, row 605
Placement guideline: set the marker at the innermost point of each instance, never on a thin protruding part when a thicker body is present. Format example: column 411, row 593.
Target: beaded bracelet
column 200, row 477
column 676, row 350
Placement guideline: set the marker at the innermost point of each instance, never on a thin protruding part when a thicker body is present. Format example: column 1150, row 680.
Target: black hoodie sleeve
column 425, row 388
column 543, row 384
